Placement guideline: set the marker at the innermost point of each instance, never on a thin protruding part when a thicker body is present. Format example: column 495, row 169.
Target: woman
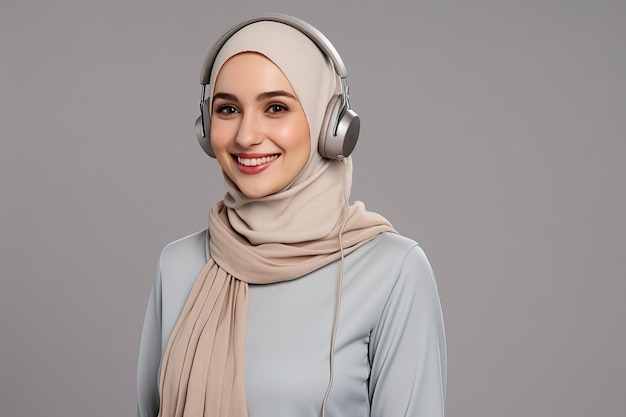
column 294, row 302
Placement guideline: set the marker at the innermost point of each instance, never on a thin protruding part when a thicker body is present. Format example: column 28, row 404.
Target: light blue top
column 390, row 354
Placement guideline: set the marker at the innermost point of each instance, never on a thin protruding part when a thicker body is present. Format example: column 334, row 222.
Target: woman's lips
column 254, row 163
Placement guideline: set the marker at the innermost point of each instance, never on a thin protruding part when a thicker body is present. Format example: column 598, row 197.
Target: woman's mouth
column 254, row 164
column 250, row 162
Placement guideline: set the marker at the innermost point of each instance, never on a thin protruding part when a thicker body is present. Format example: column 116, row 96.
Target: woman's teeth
column 251, row 162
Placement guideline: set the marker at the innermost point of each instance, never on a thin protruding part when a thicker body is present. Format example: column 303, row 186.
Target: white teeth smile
column 251, row 162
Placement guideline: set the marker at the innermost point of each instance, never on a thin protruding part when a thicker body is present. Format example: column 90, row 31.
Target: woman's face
column 259, row 131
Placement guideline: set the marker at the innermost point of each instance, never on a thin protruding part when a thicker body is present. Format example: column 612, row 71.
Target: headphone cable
column 339, row 289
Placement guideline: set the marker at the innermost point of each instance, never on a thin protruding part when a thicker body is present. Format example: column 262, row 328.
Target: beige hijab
column 276, row 238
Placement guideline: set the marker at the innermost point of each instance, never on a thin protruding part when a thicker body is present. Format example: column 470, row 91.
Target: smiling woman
column 259, row 131
column 294, row 301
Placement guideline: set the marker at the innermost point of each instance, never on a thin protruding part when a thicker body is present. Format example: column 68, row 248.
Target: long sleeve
column 407, row 346
column 150, row 353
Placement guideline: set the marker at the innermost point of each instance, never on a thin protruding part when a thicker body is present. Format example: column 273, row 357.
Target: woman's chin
column 256, row 190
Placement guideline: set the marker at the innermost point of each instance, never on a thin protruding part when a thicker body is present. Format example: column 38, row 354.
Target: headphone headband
column 307, row 29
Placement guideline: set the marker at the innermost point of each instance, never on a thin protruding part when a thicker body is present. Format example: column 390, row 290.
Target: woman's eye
column 277, row 108
column 226, row 109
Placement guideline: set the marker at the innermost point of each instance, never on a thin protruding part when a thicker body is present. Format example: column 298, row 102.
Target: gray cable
column 340, row 288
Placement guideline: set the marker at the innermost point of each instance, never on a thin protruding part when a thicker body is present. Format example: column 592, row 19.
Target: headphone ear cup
column 342, row 144
column 203, row 135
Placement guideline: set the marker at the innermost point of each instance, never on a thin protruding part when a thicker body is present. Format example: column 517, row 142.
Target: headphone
column 341, row 126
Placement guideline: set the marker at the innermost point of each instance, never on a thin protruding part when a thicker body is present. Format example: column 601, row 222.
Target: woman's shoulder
column 396, row 241
column 389, row 257
column 187, row 254
column 393, row 247
column 193, row 244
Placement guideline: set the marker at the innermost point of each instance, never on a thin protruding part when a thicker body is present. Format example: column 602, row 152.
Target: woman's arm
column 150, row 353
column 407, row 346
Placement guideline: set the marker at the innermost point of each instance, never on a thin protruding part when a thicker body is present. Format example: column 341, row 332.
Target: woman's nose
column 250, row 132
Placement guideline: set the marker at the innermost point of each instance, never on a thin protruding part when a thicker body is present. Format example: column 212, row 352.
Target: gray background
column 493, row 133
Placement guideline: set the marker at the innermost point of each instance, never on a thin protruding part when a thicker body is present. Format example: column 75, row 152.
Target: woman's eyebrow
column 263, row 96
column 225, row 96
column 278, row 93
